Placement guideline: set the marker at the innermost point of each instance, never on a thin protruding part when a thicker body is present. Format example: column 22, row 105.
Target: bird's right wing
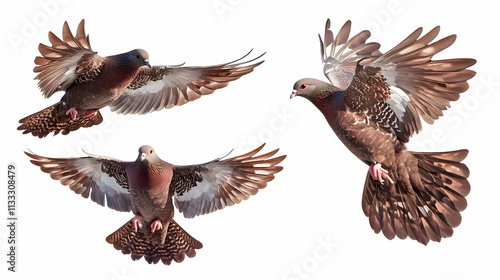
column 404, row 84
column 66, row 61
column 341, row 54
column 103, row 179
column 163, row 87
column 205, row 188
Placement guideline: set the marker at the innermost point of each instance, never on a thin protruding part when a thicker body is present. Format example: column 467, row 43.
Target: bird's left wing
column 340, row 54
column 67, row 61
column 404, row 84
column 103, row 179
column 162, row 87
column 205, row 188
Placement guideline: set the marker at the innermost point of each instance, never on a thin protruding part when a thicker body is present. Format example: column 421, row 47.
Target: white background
column 316, row 200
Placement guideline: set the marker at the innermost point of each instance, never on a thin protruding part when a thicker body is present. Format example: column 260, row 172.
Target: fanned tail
column 42, row 123
column 178, row 244
column 426, row 211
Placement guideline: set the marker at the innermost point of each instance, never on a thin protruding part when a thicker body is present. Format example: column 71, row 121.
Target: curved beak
column 143, row 156
column 146, row 62
column 294, row 93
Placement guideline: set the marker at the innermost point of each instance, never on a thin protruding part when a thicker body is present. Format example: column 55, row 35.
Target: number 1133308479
column 11, row 217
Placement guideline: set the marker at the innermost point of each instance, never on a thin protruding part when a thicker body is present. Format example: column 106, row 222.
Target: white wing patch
column 108, row 184
column 398, row 101
column 337, row 74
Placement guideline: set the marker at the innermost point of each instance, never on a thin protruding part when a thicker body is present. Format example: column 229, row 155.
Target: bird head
column 147, row 154
column 305, row 88
column 139, row 58
column 312, row 89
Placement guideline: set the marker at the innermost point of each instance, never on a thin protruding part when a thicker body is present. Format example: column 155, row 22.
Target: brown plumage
column 126, row 82
column 178, row 244
column 419, row 195
column 150, row 187
column 48, row 120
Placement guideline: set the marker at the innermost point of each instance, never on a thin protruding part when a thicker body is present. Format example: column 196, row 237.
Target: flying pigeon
column 374, row 102
column 146, row 187
column 126, row 82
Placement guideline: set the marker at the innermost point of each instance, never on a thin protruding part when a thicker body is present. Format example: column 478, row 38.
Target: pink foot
column 156, row 225
column 72, row 111
column 136, row 221
column 378, row 173
column 90, row 113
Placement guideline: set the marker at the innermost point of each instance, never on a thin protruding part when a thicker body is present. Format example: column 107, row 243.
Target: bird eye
column 150, row 152
column 137, row 56
column 303, row 86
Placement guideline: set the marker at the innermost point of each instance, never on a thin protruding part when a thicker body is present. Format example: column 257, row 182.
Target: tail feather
column 427, row 211
column 178, row 244
column 42, row 123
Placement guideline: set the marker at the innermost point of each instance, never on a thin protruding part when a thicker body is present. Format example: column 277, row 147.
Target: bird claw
column 156, row 225
column 136, row 221
column 379, row 173
column 72, row 111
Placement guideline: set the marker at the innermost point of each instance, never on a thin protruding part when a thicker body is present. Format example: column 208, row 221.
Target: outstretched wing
column 103, row 179
column 202, row 189
column 403, row 85
column 66, row 61
column 341, row 54
column 167, row 86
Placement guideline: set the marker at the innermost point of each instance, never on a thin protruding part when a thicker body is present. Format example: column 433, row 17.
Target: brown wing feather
column 162, row 87
column 403, row 85
column 341, row 54
column 66, row 61
column 202, row 189
column 103, row 179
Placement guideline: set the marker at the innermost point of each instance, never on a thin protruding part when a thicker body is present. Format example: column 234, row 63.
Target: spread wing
column 341, row 54
column 202, row 189
column 167, row 86
column 66, row 61
column 103, row 179
column 403, row 85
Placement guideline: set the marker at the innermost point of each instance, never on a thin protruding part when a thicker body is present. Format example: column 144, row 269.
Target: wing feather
column 162, row 87
column 103, row 179
column 202, row 189
column 66, row 61
column 404, row 85
column 341, row 54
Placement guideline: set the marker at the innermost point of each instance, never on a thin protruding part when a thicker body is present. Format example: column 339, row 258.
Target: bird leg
column 72, row 111
column 379, row 173
column 90, row 113
column 156, row 225
column 136, row 221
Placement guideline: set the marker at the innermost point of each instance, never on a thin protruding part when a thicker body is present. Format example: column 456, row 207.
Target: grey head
column 138, row 58
column 306, row 87
column 147, row 155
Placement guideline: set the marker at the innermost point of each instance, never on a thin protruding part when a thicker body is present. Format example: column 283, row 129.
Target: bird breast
column 365, row 139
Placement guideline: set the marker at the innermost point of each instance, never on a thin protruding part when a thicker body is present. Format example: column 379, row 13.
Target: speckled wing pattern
column 103, row 179
column 66, row 61
column 340, row 54
column 162, row 87
column 404, row 84
column 205, row 188
column 178, row 244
